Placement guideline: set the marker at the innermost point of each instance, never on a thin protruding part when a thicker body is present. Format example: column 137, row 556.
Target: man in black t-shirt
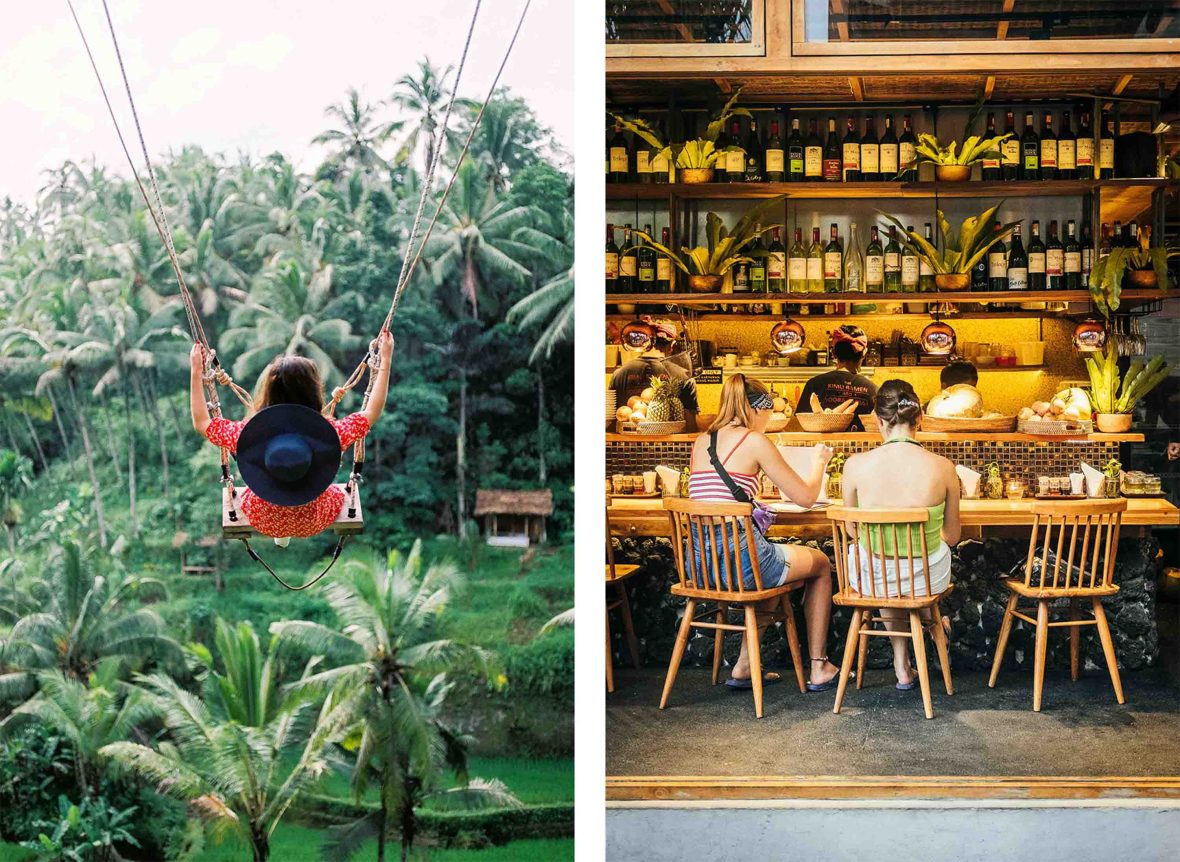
column 833, row 388
column 634, row 376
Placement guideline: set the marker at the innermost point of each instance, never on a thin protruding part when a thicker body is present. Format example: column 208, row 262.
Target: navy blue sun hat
column 288, row 454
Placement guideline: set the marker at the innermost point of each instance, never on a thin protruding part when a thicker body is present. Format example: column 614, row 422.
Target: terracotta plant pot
column 696, row 175
column 705, row 283
column 952, row 173
column 1144, row 278
column 1114, row 423
column 952, row 280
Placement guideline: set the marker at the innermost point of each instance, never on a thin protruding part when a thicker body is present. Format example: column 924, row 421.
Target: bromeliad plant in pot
column 952, row 164
column 1143, row 266
column 1113, row 397
column 707, row 265
column 955, row 253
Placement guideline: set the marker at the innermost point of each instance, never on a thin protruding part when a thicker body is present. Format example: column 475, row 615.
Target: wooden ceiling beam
column 1002, row 27
column 858, row 88
column 989, row 86
column 841, row 16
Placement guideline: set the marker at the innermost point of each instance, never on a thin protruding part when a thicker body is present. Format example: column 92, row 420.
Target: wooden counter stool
column 616, row 577
column 1098, row 523
column 695, row 525
column 906, row 527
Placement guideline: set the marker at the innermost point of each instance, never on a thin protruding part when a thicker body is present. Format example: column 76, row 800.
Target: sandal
column 768, row 678
column 911, row 685
column 829, row 684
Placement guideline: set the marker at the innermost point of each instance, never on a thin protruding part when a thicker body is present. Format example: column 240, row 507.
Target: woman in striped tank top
column 746, row 452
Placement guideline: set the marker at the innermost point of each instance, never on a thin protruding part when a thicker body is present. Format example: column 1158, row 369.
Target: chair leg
column 850, row 648
column 610, row 662
column 1002, row 640
column 678, row 650
column 793, row 641
column 1042, row 648
column 1075, row 641
column 1108, row 649
column 754, row 651
column 944, row 653
column 862, row 647
column 918, row 636
column 628, row 625
column 719, row 640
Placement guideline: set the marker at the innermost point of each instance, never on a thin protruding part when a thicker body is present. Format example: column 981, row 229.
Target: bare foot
column 822, row 671
column 906, row 678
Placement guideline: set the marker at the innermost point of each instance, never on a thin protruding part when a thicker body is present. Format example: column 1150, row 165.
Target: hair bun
column 897, row 403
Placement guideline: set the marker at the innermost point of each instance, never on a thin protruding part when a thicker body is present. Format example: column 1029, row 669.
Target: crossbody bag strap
column 738, row 492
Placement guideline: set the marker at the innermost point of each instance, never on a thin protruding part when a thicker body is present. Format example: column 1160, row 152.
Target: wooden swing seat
column 345, row 524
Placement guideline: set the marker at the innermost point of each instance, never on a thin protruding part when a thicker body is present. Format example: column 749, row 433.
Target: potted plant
column 1143, row 266
column 952, row 164
column 957, row 252
column 835, row 473
column 696, row 158
column 1114, row 398
column 706, row 266
column 1112, row 471
column 993, row 487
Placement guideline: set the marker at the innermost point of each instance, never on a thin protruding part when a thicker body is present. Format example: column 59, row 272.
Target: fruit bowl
column 825, row 423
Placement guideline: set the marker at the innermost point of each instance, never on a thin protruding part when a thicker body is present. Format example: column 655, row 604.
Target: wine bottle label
column 851, row 157
column 815, row 269
column 795, row 161
column 797, row 269
column 997, row 264
column 659, row 163
column 1036, row 262
column 874, row 269
column 813, row 161
column 735, row 160
column 1085, row 152
column 1054, row 261
column 1010, row 152
column 1106, row 153
column 832, row 264
column 643, row 162
column 1067, row 158
column 831, row 169
column 1087, row 261
column 776, row 265
column 663, row 269
column 1017, row 278
column 612, row 265
column 647, row 273
column 892, row 261
column 991, row 163
column 774, row 161
column 888, row 161
column 1073, row 261
column 1049, row 153
column 909, row 270
column 870, row 158
column 618, row 160
column 924, row 269
column 1031, row 156
column 907, row 155
column 628, row 265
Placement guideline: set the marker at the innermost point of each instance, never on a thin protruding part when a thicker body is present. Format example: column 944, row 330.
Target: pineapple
column 665, row 406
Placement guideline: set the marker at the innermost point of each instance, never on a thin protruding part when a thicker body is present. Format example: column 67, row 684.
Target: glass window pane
column 679, row 22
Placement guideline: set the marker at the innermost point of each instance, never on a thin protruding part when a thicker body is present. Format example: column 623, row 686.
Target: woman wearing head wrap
column 833, row 388
column 632, row 377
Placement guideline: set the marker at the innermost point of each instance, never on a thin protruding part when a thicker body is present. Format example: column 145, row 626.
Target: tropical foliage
column 1113, row 392
column 724, row 248
column 955, row 252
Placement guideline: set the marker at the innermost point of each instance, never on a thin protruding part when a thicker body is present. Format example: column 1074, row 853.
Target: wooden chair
column 695, row 525
column 616, row 576
column 1091, row 579
column 850, row 525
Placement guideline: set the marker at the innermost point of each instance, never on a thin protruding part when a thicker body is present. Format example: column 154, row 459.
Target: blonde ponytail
column 736, row 395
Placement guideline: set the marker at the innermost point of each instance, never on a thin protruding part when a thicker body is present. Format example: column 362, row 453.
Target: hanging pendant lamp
column 787, row 336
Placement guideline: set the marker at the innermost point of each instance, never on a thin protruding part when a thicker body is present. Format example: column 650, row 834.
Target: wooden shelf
column 1129, row 297
column 915, row 316
column 1128, row 188
column 754, row 369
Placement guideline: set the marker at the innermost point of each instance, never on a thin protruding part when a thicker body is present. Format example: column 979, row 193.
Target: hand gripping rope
column 213, row 373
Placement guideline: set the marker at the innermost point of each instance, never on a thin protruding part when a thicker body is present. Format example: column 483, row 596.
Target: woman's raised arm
column 199, row 408
column 801, row 490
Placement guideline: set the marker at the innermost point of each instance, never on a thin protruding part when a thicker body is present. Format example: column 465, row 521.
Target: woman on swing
column 289, row 457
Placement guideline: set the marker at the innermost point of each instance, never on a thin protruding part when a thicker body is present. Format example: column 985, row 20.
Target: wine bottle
column 759, row 252
column 612, row 261
column 1116, row 235
column 775, row 156
column 1048, row 149
column 660, row 162
column 1017, row 263
column 628, row 263
column 815, row 264
column 721, row 147
column 664, row 264
column 813, row 154
column 910, row 269
column 1054, row 259
column 776, row 264
column 925, row 270
column 851, row 150
column 1067, row 150
column 1010, row 151
column 1036, row 258
column 870, row 153
column 1072, row 257
column 832, row 161
column 892, row 263
column 990, row 168
column 874, row 263
column 735, row 156
column 997, row 264
column 795, row 153
column 620, row 157
column 1104, row 241
column 1087, row 245
column 854, row 264
column 889, row 152
column 645, row 256
column 642, row 161
column 1106, row 152
column 833, row 263
column 741, row 284
column 907, row 155
column 1085, row 148
column 1030, row 151
column 753, row 154
column 797, row 264
column 979, row 275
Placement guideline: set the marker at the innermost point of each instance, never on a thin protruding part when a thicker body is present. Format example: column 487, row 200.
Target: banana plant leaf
column 714, row 128
column 640, row 128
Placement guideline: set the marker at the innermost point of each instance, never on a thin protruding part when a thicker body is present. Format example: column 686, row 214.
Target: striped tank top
column 708, row 486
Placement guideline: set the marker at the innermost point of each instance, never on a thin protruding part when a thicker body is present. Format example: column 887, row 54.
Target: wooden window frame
column 756, row 47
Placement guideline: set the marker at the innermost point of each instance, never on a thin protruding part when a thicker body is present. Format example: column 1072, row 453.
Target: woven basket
column 652, row 428
column 995, row 425
column 1056, row 427
column 825, row 423
column 869, row 421
column 775, row 425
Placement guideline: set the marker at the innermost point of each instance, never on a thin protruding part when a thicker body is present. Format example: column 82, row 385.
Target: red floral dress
column 298, row 522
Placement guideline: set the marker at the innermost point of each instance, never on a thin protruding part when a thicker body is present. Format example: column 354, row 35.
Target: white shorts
column 940, row 572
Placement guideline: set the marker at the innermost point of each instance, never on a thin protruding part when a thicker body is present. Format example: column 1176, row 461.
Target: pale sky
column 252, row 75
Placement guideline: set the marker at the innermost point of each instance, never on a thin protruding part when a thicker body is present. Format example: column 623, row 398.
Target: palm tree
column 551, row 306
column 508, row 139
column 16, row 475
column 356, row 142
column 241, row 753
column 387, row 652
column 423, row 97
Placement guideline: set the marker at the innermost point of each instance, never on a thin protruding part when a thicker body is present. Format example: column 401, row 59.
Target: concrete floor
column 709, row 730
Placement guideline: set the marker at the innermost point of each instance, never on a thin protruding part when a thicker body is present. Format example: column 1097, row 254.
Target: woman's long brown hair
column 735, row 401
column 290, row 380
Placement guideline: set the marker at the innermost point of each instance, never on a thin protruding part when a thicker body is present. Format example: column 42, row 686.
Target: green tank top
column 878, row 538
